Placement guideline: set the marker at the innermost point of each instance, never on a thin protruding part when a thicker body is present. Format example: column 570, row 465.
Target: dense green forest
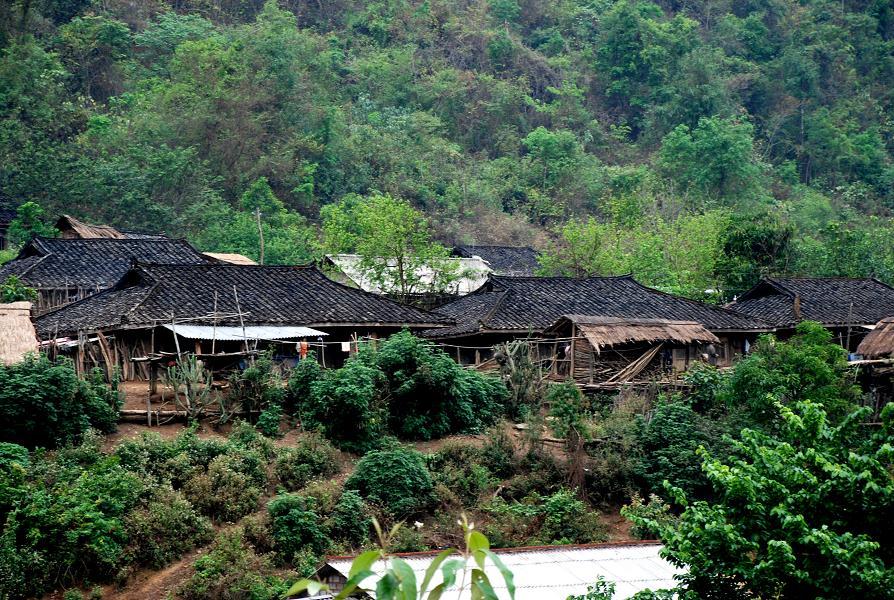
column 698, row 144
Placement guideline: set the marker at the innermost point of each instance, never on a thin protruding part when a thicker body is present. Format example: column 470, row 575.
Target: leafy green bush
column 44, row 404
column 257, row 387
column 295, row 525
column 669, row 443
column 807, row 367
column 311, row 456
column 345, row 404
column 14, row 464
column 300, row 386
column 231, row 570
column 430, row 395
column 457, row 473
column 350, row 521
column 498, row 452
column 656, row 510
column 395, row 479
column 164, row 529
column 231, row 487
column 566, row 407
column 269, row 420
column 560, row 518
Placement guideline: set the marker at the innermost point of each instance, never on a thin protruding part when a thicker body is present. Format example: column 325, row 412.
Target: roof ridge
column 700, row 303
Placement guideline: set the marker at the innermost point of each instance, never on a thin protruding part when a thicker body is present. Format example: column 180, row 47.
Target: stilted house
column 849, row 308
column 545, row 310
column 606, row 352
column 512, row 261
column 66, row 270
column 876, row 364
column 215, row 310
column 17, row 335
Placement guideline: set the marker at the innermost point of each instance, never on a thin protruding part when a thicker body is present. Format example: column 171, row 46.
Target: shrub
column 807, row 367
column 498, row 452
column 350, row 521
column 165, row 529
column 669, row 442
column 296, row 525
column 231, row 487
column 14, row 463
column 257, row 387
column 430, row 395
column 642, row 514
column 298, row 392
column 344, row 404
column 269, row 420
column 396, row 479
column 560, row 518
column 232, row 571
column 43, row 403
column 312, row 456
column 566, row 407
column 243, row 435
column 455, row 467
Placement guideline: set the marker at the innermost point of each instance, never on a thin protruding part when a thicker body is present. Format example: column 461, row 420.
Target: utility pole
column 260, row 233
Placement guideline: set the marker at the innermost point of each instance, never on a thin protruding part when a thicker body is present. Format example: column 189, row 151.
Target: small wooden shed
column 879, row 343
column 609, row 351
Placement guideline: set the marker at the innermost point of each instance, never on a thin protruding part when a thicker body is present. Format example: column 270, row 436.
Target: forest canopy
column 704, row 143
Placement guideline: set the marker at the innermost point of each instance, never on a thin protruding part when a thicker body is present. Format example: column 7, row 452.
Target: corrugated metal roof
column 251, row 332
column 554, row 573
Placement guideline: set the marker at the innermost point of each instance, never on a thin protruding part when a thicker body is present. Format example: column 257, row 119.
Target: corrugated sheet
column 250, row 332
column 554, row 573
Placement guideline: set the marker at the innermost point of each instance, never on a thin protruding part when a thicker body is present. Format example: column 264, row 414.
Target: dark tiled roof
column 517, row 261
column 93, row 263
column 267, row 295
column 535, row 303
column 830, row 300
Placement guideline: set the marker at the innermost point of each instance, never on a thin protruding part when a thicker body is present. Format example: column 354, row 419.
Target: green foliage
column 299, row 388
column 311, row 456
column 644, row 514
column 807, row 367
column 566, row 407
column 13, row 290
column 560, row 518
column 345, row 404
column 257, row 388
column 350, row 521
column 601, row 590
column 233, row 570
column 804, row 513
column 669, row 441
column 30, row 221
column 430, row 395
column 459, row 475
column 296, row 525
column 395, row 479
column 45, row 404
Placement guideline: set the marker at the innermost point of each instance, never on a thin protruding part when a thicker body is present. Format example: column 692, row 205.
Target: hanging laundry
column 302, row 349
column 346, row 346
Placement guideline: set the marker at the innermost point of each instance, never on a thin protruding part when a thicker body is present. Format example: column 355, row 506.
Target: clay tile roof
column 92, row 263
column 785, row 301
column 517, row 261
column 534, row 303
column 299, row 295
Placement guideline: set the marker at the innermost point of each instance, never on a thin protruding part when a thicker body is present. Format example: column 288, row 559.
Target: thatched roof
column 232, row 258
column 17, row 335
column 604, row 332
column 73, row 228
column 879, row 343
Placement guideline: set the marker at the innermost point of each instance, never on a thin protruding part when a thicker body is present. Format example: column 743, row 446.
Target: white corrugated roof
column 472, row 273
column 554, row 573
column 252, row 332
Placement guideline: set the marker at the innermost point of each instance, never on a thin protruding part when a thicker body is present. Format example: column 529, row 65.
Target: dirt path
column 155, row 585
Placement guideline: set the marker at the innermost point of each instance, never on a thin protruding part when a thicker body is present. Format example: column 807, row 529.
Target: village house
column 219, row 309
column 594, row 328
column 539, row 572
column 849, row 308
column 512, row 261
column 66, row 270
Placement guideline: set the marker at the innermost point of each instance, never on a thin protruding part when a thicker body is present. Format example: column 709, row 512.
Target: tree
column 716, row 157
column 576, row 253
column 806, row 513
column 30, row 221
column 13, row 290
column 397, row 253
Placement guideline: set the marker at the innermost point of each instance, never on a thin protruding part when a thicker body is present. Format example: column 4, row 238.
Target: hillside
column 711, row 142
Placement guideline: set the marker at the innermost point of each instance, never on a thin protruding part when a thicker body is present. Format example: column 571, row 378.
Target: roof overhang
column 249, row 332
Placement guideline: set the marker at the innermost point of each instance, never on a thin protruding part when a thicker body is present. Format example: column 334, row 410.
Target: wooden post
column 590, row 354
column 214, row 326
column 241, row 321
column 260, row 234
column 571, row 353
column 153, row 386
